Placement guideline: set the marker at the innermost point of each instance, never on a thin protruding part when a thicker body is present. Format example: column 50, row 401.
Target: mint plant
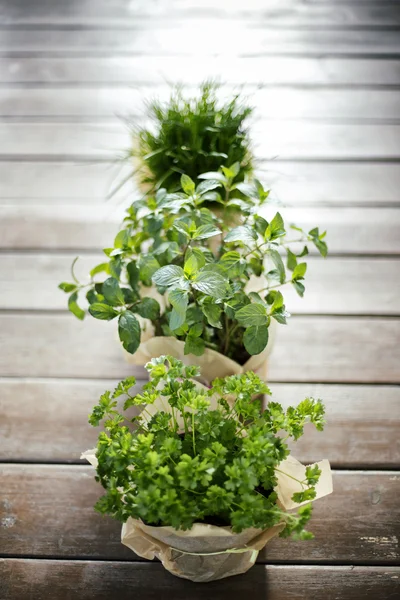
column 187, row 462
column 191, row 136
column 201, row 265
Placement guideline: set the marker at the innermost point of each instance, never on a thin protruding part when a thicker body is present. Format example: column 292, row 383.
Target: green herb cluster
column 188, row 463
column 191, row 136
column 201, row 265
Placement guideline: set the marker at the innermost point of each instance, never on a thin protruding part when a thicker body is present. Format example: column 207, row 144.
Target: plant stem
column 193, row 436
column 291, row 477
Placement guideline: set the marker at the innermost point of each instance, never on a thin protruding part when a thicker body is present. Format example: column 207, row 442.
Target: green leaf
column 232, row 263
column 210, row 283
column 278, row 262
column 112, row 292
column 200, row 256
column 205, row 231
column 299, row 271
column 321, row 247
column 102, row 268
column 299, row 287
column 133, row 274
column 74, row 308
column 179, row 299
column 188, row 185
column 276, row 228
column 291, row 260
column 190, row 267
column 67, row 287
column 207, row 186
column 255, row 339
column 148, row 308
column 105, row 312
column 122, row 239
column 129, row 331
column 252, row 314
column 168, row 276
column 242, row 233
column 194, row 345
column 213, row 175
column 212, row 313
column 148, row 265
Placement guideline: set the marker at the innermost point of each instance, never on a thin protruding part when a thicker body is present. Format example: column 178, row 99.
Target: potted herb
column 181, row 280
column 191, row 136
column 201, row 479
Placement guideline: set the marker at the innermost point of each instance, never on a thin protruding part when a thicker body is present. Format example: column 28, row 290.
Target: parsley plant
column 188, row 462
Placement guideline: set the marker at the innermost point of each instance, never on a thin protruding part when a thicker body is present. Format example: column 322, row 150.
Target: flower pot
column 203, row 553
column 212, row 364
column 207, row 552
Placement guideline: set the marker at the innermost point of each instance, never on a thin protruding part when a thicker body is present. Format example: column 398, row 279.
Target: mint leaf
column 194, row 345
column 188, row 185
column 255, row 339
column 67, row 287
column 252, row 314
column 74, row 308
column 168, row 276
column 129, row 331
column 112, row 292
column 101, row 311
column 278, row 262
column 276, row 228
column 243, row 234
column 148, row 308
column 148, row 265
column 299, row 271
column 179, row 299
column 212, row 313
column 210, row 283
column 299, row 287
column 205, row 231
column 207, row 186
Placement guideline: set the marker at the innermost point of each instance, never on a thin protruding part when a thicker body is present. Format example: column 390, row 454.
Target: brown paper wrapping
column 206, row 552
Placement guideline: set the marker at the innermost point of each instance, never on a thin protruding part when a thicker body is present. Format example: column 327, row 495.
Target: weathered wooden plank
column 309, row 349
column 282, row 140
column 122, row 14
column 55, row 427
column 48, row 511
column 270, row 71
column 87, row 580
column 91, row 227
column 296, row 183
column 186, row 37
column 104, row 102
column 337, row 286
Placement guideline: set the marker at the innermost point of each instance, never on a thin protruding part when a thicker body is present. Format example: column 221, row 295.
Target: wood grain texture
column 338, row 286
column 86, row 580
column 92, row 103
column 48, row 511
column 54, row 426
column 292, row 183
column 78, row 227
column 187, row 37
column 311, row 349
column 122, row 14
column 280, row 140
column 281, row 70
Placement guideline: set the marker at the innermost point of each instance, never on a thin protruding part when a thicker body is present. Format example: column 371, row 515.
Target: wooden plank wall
column 324, row 77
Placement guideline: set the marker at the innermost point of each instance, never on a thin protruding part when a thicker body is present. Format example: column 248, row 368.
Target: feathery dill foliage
column 192, row 136
column 188, row 462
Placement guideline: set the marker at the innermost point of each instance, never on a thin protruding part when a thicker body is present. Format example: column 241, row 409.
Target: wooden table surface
column 324, row 76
